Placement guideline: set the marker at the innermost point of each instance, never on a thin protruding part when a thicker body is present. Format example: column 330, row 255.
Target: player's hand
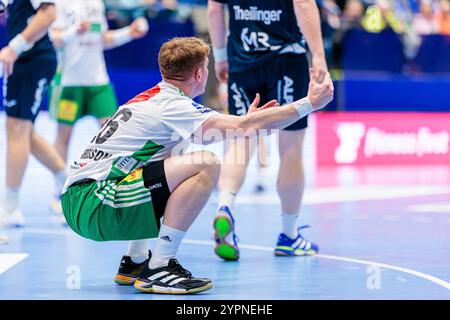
column 139, row 28
column 321, row 88
column 221, row 71
column 8, row 57
column 84, row 27
column 254, row 106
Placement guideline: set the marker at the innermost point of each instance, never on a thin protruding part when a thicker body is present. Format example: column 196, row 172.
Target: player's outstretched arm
column 116, row 38
column 270, row 116
column 35, row 30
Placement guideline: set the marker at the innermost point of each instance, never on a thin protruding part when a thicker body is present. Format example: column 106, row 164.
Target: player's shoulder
column 160, row 95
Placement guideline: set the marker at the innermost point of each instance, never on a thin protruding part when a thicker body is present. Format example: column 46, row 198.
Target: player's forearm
column 308, row 20
column 116, row 38
column 277, row 117
column 216, row 24
column 39, row 24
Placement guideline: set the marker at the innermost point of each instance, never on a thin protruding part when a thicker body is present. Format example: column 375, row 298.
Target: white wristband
column 19, row 44
column 303, row 107
column 220, row 55
column 121, row 36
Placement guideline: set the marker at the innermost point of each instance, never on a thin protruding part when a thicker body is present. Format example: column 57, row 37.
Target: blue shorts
column 285, row 78
column 25, row 89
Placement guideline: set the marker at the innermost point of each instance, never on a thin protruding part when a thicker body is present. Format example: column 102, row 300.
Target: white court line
column 8, row 260
column 422, row 275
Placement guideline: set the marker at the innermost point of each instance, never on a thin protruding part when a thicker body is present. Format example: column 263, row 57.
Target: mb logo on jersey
column 256, row 41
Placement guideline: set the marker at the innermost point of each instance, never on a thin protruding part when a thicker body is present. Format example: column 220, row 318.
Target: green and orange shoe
column 129, row 271
column 224, row 235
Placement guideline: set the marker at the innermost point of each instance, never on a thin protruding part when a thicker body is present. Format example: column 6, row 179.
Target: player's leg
column 290, row 187
column 292, row 83
column 70, row 108
column 49, row 157
column 262, row 165
column 63, row 136
column 18, row 100
column 234, row 167
column 197, row 171
column 18, row 132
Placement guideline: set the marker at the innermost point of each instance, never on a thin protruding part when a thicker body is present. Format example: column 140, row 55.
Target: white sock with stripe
column 227, row 198
column 138, row 250
column 289, row 224
column 167, row 245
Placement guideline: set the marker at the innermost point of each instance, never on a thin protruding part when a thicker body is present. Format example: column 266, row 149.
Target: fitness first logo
column 378, row 142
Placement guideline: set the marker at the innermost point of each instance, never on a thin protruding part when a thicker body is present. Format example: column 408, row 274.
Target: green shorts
column 113, row 210
column 74, row 103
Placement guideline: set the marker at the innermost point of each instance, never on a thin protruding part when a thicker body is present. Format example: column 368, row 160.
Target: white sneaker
column 56, row 208
column 3, row 239
column 13, row 219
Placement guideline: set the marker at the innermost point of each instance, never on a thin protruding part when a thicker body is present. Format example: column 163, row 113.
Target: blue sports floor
column 384, row 233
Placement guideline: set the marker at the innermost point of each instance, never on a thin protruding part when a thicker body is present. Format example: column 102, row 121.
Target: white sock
column 138, row 250
column 167, row 245
column 227, row 198
column 11, row 201
column 289, row 222
column 60, row 179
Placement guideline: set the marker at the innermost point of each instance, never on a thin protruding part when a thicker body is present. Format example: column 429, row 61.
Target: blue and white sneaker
column 295, row 247
column 224, row 235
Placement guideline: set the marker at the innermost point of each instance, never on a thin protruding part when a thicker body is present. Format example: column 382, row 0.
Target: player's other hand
column 139, row 28
column 221, row 69
column 84, row 27
column 254, row 106
column 8, row 57
column 321, row 88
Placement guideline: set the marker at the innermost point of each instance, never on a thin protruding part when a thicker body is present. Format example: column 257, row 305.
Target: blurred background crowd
column 346, row 24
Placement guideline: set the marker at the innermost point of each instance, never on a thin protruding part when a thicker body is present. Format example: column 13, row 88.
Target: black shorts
column 285, row 78
column 155, row 180
column 25, row 89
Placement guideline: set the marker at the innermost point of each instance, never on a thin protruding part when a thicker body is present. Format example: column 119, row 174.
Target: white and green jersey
column 82, row 61
column 149, row 128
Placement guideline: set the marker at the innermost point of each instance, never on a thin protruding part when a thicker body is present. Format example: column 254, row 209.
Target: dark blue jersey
column 20, row 13
column 259, row 30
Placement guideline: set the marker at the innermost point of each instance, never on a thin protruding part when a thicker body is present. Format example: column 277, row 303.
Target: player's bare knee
column 18, row 129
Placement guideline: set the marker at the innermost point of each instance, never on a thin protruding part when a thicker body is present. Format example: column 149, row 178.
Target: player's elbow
column 48, row 12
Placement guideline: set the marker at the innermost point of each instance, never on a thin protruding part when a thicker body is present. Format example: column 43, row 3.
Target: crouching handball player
column 129, row 178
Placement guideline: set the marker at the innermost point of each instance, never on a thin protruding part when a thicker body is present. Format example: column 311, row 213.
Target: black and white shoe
column 130, row 271
column 170, row 279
